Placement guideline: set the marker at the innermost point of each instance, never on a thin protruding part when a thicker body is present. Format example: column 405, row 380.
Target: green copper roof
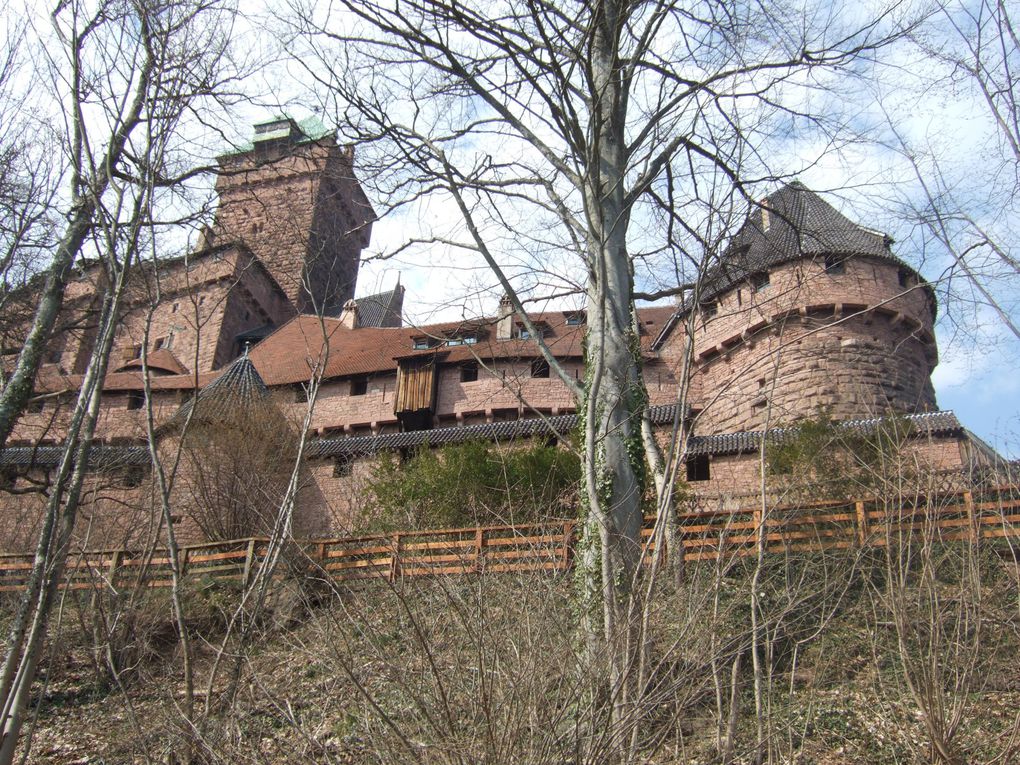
column 311, row 128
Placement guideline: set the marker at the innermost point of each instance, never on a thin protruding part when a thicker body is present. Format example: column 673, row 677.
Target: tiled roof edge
column 925, row 424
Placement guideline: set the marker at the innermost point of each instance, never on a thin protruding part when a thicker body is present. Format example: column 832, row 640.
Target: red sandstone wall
column 800, row 345
column 302, row 208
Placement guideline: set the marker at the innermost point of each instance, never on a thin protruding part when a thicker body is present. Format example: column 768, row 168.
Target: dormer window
column 575, row 319
column 421, row 343
column 523, row 333
column 759, row 281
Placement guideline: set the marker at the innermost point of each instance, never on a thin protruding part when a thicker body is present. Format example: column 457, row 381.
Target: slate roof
column 360, row 446
column 382, row 310
column 239, row 391
column 923, row 425
column 100, row 457
column 800, row 225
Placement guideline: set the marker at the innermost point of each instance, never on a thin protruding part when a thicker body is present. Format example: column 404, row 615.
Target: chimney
column 766, row 219
column 349, row 315
column 505, row 319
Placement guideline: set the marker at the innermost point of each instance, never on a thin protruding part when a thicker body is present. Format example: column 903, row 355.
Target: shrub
column 475, row 483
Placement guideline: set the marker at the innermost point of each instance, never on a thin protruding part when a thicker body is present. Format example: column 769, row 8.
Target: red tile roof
column 289, row 354
column 162, row 360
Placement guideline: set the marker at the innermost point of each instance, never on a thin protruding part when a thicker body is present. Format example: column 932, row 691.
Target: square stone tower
column 293, row 200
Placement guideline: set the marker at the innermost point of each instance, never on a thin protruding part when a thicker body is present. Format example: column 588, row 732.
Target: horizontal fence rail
column 985, row 514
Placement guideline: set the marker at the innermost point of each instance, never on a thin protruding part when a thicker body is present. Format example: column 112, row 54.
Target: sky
column 876, row 181
column 922, row 131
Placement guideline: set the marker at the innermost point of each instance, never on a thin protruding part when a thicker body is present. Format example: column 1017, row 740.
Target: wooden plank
column 344, row 566
column 518, row 554
column 437, row 571
column 15, row 566
column 235, row 555
column 546, row 539
column 525, row 567
column 375, row 550
column 439, row 545
column 465, row 558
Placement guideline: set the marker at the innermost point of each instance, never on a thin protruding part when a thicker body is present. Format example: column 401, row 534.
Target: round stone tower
column 807, row 312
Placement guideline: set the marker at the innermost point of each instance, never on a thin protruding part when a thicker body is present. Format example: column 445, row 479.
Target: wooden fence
column 976, row 515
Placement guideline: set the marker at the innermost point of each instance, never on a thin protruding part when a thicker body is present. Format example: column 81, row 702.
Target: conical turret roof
column 791, row 223
column 236, row 395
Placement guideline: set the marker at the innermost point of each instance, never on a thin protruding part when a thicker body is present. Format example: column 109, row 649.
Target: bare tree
column 557, row 128
column 131, row 73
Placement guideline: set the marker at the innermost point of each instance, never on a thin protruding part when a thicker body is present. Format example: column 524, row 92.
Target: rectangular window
column 708, row 310
column 359, row 386
column 135, row 399
column 420, row 344
column 342, row 467
column 524, row 334
column 453, row 341
column 835, row 265
column 300, row 394
column 539, row 368
column 759, row 281
column 698, row 468
column 160, row 342
column 904, row 277
column 575, row 319
column 468, row 372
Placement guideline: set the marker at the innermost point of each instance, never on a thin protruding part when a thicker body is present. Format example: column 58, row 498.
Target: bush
column 475, row 483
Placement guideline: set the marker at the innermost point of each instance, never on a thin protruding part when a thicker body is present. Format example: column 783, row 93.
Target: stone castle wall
column 855, row 344
column 302, row 214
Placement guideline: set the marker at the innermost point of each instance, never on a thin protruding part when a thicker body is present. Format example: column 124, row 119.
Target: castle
column 804, row 312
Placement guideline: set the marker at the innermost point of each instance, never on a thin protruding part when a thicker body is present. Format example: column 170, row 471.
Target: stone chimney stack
column 349, row 315
column 505, row 319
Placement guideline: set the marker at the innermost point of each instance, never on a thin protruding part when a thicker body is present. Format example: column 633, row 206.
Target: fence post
column 395, row 557
column 249, row 562
column 568, row 545
column 863, row 532
column 975, row 526
column 479, row 545
column 114, row 565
